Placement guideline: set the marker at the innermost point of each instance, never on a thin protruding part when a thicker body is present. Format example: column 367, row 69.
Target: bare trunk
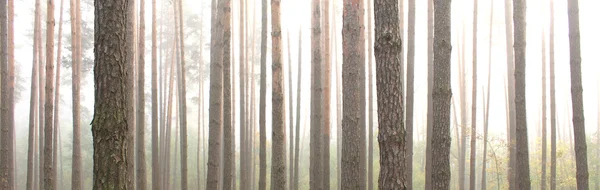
column 522, row 152
column 243, row 70
column 486, row 101
column 326, row 83
column 31, row 154
column 511, row 94
column 392, row 136
column 298, row 111
column 49, row 171
column 430, row 111
column 472, row 160
column 155, row 153
column 370, row 86
column 141, row 104
column 410, row 93
column 56, row 96
column 228, row 146
column 544, row 112
column 262, row 180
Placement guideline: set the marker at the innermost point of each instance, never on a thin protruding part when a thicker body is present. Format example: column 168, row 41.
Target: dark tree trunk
column 111, row 124
column 316, row 103
column 49, row 171
column 278, row 110
column 5, row 150
column 442, row 93
column 392, row 136
column 577, row 96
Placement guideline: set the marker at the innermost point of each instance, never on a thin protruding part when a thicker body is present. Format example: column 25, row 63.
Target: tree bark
column 183, row 103
column 75, row 75
column 56, row 119
column 577, row 96
column 326, row 83
column 111, row 124
column 430, row 111
column 522, row 161
column 243, row 70
column 141, row 104
column 278, row 111
column 5, row 154
column 410, row 93
column 442, row 93
column 262, row 179
column 228, row 146
column 353, row 74
column 316, row 109
column 49, row 171
column 392, row 136
column 472, row 160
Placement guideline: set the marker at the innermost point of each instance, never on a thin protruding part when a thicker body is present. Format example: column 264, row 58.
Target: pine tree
column 141, row 103
column 228, row 146
column 49, row 171
column 31, row 155
column 155, row 153
column 76, row 57
column 522, row 153
column 410, row 92
column 278, row 112
column 316, row 109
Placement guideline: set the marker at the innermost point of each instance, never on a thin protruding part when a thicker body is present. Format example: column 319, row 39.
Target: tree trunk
column 42, row 102
column 430, row 111
column 278, row 110
column 353, row 74
column 410, row 93
column 440, row 139
column 577, row 96
column 262, row 180
column 370, row 90
column 486, row 101
column 167, row 123
column 392, row 136
column 56, row 119
column 472, row 160
column 316, row 109
column 522, row 161
column 243, row 70
column 155, row 153
column 291, row 115
column 298, row 111
column 216, row 97
column 182, row 103
column 141, row 104
column 228, row 146
column 544, row 112
column 111, row 124
column 6, row 152
column 326, row 83
column 76, row 58
column 31, row 154
column 49, row 171
column 511, row 94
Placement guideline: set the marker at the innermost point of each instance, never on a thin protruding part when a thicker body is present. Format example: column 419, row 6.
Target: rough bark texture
column 298, row 106
column 49, row 171
column 262, row 179
column 31, row 154
column 522, row 153
column 473, row 148
column 326, row 53
column 442, row 93
column 392, row 136
column 353, row 82
column 278, row 173
column 155, row 153
column 76, row 182
column 228, row 146
column 430, row 70
column 7, row 152
column 215, row 108
column 577, row 96
column 111, row 124
column 316, row 103
column 410, row 92
column 141, row 103
column 511, row 93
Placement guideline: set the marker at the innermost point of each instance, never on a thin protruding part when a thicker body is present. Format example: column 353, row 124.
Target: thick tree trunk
column 353, row 74
column 49, row 171
column 442, row 93
column 316, row 103
column 326, row 83
column 216, row 97
column 298, row 111
column 155, row 153
column 278, row 105
column 410, row 93
column 5, row 154
column 141, row 104
column 262, row 179
column 392, row 136
column 31, row 154
column 228, row 146
column 522, row 152
column 111, row 124
column 577, row 96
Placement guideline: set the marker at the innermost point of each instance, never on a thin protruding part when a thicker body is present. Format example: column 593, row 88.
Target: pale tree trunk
column 110, row 127
column 56, row 95
column 216, row 98
column 141, row 104
column 75, row 10
column 31, row 154
column 326, row 84
column 370, row 86
column 49, row 171
column 353, row 74
column 168, row 121
column 462, row 159
column 155, row 153
column 392, row 136
column 486, row 101
column 511, row 94
column 278, row 110
column 430, row 111
column 291, row 115
column 262, row 179
column 228, row 146
column 544, row 110
column 410, row 93
column 182, row 103
column 522, row 153
column 440, row 139
column 472, row 160
column 577, row 96
column 298, row 111
column 243, row 154
column 316, row 109
column 41, row 104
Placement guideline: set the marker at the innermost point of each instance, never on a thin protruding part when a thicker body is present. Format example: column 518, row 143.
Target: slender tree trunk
column 316, row 109
column 183, row 103
column 228, row 146
column 410, row 93
column 544, row 110
column 522, row 161
column 167, row 122
column 486, row 101
column 291, row 115
column 577, row 96
column 370, row 90
column 76, row 58
column 243, row 154
column 42, row 102
column 216, row 98
column 326, row 83
column 49, row 171
column 440, row 139
column 298, row 112
column 56, row 95
column 278, row 104
column 353, row 74
column 511, row 94
column 472, row 160
column 262, row 180
column 155, row 150
column 141, row 104
column 6, row 154
column 430, row 111
column 392, row 136
column 111, row 124
column 31, row 154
